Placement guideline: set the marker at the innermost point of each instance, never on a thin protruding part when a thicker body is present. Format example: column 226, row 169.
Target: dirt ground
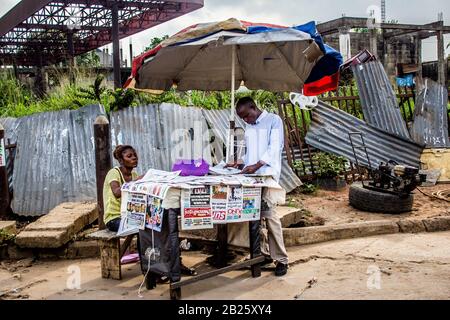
column 332, row 207
column 398, row 266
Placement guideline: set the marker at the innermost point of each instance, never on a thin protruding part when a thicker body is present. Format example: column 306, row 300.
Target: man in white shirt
column 264, row 139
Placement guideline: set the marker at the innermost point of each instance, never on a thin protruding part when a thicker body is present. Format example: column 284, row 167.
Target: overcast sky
column 293, row 12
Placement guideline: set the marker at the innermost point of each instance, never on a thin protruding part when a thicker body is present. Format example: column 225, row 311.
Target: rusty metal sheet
column 330, row 130
column 55, row 160
column 378, row 100
column 430, row 125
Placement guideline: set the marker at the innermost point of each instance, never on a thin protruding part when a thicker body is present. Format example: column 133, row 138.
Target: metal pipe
column 116, row 45
column 71, row 50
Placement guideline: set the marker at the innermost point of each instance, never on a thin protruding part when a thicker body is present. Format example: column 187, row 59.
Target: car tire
column 380, row 202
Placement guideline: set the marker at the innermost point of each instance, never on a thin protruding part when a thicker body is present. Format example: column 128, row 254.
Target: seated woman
column 116, row 177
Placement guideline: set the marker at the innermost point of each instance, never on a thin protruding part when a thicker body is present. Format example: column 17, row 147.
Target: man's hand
column 252, row 169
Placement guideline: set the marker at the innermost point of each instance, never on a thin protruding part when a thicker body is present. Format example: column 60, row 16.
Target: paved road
column 399, row 266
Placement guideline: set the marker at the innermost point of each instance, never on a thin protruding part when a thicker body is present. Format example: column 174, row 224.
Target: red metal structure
column 43, row 32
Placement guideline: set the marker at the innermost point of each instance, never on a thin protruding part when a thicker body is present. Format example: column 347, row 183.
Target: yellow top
column 111, row 204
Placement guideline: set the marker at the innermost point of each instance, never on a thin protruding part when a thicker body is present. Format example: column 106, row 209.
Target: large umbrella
column 222, row 56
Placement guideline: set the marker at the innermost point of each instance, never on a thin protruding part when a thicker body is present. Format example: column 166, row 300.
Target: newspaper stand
column 169, row 239
column 202, row 203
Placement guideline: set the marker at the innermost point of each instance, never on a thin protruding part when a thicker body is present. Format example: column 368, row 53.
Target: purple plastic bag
column 191, row 167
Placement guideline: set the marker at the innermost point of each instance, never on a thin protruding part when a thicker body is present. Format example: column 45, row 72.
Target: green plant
column 123, row 98
column 328, row 165
column 155, row 41
column 308, row 188
column 88, row 60
column 95, row 90
column 6, row 237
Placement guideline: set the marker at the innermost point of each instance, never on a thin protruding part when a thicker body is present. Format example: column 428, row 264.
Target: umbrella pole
column 230, row 149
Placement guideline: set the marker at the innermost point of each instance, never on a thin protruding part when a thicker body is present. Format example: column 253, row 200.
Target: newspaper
column 196, row 208
column 221, row 170
column 2, row 153
column 234, row 204
column 154, row 189
column 257, row 181
column 251, row 204
column 154, row 175
column 219, row 204
column 155, row 213
column 133, row 213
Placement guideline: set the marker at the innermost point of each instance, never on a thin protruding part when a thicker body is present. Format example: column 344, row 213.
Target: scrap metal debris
column 378, row 99
column 310, row 284
column 329, row 132
column 430, row 125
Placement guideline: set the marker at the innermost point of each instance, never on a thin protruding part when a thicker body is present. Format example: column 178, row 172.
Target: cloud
column 289, row 12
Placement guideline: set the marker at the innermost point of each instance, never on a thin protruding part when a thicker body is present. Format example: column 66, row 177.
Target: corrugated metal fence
column 160, row 134
column 430, row 125
column 55, row 160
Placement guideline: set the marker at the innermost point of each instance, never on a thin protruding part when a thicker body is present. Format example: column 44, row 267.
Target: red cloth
column 328, row 83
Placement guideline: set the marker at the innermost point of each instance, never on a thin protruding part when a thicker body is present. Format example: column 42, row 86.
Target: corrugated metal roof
column 219, row 122
column 10, row 125
column 378, row 99
column 430, row 116
column 55, row 160
column 330, row 130
column 159, row 133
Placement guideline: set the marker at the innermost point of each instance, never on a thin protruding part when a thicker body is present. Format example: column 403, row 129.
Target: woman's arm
column 115, row 187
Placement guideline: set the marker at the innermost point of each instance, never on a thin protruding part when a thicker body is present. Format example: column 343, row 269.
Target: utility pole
column 383, row 11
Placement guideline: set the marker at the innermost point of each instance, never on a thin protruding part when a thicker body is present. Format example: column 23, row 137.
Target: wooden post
column 442, row 66
column 4, row 188
column 255, row 246
column 419, row 54
column 222, row 239
column 103, row 161
column 373, row 41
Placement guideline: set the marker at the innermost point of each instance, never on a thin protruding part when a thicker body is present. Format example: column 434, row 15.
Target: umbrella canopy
column 221, row 56
column 267, row 57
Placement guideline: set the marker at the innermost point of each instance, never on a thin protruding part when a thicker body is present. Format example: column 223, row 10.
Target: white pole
column 230, row 145
column 233, row 77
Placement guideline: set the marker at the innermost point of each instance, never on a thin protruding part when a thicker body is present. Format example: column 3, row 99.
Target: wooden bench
column 111, row 251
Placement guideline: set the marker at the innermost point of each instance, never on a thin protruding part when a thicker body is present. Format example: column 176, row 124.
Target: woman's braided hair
column 118, row 151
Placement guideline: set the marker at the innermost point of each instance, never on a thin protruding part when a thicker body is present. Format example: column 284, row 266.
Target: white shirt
column 264, row 141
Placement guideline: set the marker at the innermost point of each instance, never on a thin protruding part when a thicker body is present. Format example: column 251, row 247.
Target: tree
column 155, row 41
column 88, row 60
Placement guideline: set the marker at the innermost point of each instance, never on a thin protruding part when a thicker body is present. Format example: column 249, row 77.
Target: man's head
column 247, row 110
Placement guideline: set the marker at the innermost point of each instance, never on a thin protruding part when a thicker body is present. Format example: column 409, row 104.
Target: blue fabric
column 406, row 81
column 327, row 66
column 330, row 62
column 309, row 28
